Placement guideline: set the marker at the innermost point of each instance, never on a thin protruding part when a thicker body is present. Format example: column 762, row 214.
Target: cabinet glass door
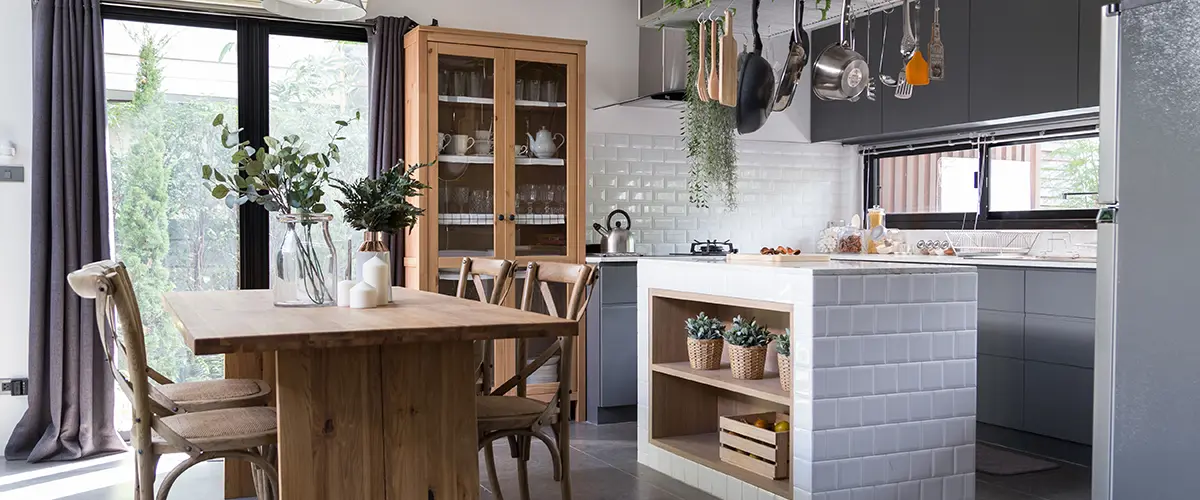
column 544, row 149
column 466, row 182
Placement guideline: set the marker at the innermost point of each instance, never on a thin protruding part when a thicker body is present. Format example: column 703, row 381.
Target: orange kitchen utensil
column 916, row 72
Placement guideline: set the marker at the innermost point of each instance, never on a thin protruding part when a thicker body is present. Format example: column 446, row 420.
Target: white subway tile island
column 882, row 404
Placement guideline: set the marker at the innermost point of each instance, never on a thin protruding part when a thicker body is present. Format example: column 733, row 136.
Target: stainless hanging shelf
column 774, row 17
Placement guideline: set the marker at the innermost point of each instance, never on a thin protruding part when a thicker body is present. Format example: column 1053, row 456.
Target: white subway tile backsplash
column 849, row 351
column 943, row 287
column 909, row 377
column 874, row 410
column 850, row 290
column 964, row 459
column 933, row 317
column 874, row 350
column 861, row 441
column 943, row 404
column 862, row 381
column 838, row 321
column 849, row 473
column 943, row 345
column 899, row 289
column 931, row 376
column 874, row 289
column 931, row 489
column 862, row 320
column 910, row 318
column 922, row 287
column 849, row 412
column 922, row 464
column 774, row 177
column 886, row 378
column 887, row 318
column 920, row 406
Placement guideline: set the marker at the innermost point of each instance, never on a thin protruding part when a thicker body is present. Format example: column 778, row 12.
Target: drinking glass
column 527, row 197
column 475, row 83
column 462, row 196
column 459, row 83
column 560, row 191
column 443, row 199
column 479, row 201
column 520, row 90
column 534, row 90
column 546, row 193
column 550, row 89
column 444, row 82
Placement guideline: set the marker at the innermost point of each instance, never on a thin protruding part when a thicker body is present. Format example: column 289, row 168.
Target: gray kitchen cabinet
column 940, row 103
column 612, row 345
column 839, row 120
column 1002, row 289
column 1059, row 339
column 618, row 376
column 1023, row 57
column 1089, row 51
column 1061, row 293
column 1000, row 391
column 1058, row 401
column 1001, row 333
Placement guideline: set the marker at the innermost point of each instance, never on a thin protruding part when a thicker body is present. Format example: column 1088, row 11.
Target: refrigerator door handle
column 1110, row 87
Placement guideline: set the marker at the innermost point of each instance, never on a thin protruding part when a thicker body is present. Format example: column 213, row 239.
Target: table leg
column 392, row 422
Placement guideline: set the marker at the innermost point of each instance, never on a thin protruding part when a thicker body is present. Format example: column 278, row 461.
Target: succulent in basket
column 704, row 327
column 783, row 342
column 705, row 341
column 745, row 333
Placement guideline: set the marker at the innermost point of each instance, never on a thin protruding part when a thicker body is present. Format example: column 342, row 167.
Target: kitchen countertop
column 833, row 267
column 593, row 258
column 960, row 261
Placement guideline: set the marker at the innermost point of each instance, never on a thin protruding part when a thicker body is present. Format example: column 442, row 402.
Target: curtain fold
column 386, row 115
column 70, row 413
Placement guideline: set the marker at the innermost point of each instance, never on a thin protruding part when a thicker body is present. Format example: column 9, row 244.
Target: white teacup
column 483, row 147
column 520, row 151
column 483, row 135
column 461, row 143
column 443, row 141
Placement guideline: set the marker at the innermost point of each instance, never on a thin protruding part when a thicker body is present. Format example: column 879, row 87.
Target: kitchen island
column 883, row 364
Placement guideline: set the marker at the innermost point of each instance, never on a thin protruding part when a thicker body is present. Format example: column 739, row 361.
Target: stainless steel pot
column 840, row 73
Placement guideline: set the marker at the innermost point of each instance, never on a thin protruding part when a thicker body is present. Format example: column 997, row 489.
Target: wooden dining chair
column 161, row 425
column 501, row 273
column 520, row 418
column 199, row 395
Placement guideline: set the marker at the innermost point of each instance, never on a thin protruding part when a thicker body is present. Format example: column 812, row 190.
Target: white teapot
column 544, row 146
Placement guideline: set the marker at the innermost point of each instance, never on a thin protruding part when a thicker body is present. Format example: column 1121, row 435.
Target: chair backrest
column 501, row 272
column 119, row 321
column 579, row 279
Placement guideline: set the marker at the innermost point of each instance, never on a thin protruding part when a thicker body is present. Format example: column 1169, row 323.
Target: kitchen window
column 1033, row 180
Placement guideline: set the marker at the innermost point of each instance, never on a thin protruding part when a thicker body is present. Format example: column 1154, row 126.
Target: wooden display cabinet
column 472, row 101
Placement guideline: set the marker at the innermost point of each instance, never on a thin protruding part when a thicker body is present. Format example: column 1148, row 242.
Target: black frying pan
column 756, row 83
column 797, row 59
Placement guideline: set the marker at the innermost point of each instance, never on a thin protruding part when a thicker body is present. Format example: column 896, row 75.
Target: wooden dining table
column 373, row 403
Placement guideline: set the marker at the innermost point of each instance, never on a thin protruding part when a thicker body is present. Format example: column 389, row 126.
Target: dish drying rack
column 1011, row 243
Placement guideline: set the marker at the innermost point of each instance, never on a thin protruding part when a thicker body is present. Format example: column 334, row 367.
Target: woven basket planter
column 747, row 363
column 785, row 372
column 705, row 354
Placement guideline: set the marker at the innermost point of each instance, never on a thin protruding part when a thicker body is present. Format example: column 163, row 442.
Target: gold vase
column 375, row 241
column 374, row 244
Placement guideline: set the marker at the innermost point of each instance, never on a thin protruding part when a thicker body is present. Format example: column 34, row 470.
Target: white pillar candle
column 363, row 296
column 343, row 296
column 375, row 273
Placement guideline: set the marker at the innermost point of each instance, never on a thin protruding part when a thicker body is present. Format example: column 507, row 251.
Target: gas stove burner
column 711, row 248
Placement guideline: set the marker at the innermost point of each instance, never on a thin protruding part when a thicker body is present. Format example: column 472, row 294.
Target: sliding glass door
column 167, row 76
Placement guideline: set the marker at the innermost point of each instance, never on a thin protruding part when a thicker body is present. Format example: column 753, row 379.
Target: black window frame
column 254, row 117
column 985, row 218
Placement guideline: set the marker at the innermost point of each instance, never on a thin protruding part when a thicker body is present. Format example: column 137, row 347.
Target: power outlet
column 15, row 386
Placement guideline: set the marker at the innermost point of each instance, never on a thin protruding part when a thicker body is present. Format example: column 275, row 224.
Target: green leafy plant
column 708, row 130
column 282, row 176
column 745, row 333
column 783, row 342
column 382, row 204
column 704, row 327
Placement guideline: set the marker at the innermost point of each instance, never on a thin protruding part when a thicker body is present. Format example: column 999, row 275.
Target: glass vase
column 305, row 262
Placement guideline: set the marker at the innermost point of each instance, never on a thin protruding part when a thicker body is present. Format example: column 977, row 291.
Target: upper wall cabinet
column 941, row 102
column 1004, row 59
column 836, row 120
column 1024, row 57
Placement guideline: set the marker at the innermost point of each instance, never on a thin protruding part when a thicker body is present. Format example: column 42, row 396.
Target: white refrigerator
column 1146, row 430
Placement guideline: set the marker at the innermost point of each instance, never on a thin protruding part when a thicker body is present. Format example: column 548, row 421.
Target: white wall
column 16, row 94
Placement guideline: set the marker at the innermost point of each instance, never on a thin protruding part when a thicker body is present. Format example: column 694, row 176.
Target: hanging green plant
column 708, row 130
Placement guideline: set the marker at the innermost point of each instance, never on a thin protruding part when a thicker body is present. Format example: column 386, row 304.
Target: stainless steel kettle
column 616, row 238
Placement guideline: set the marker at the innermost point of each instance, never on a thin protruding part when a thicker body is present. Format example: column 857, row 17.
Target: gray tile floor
column 603, row 464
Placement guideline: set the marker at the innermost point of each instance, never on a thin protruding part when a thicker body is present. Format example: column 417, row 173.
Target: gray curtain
column 386, row 115
column 70, row 412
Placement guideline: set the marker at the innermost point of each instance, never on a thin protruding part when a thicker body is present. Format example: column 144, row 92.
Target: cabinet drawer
column 1062, row 340
column 1000, row 391
column 618, row 283
column 1058, row 401
column 1061, row 293
column 618, row 355
column 1001, row 333
column 1002, row 289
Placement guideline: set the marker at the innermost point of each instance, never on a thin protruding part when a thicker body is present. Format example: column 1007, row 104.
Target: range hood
column 662, row 65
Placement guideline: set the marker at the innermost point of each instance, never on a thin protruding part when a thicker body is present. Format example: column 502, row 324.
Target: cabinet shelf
column 705, row 449
column 491, row 160
column 488, row 101
column 464, row 219
column 541, row 219
column 767, row 389
column 553, row 162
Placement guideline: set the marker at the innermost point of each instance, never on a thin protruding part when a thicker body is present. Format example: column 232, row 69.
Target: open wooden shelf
column 768, row 388
column 705, row 449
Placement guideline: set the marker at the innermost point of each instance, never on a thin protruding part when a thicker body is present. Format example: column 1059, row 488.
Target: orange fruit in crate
column 761, row 424
column 781, row 426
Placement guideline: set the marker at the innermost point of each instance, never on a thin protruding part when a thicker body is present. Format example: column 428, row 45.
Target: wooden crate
column 761, row 451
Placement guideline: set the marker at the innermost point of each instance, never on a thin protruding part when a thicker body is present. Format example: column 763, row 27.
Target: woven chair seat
column 226, row 429
column 498, row 413
column 215, row 394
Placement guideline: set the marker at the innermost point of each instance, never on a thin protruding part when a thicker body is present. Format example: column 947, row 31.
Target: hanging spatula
column 729, row 64
column 916, row 71
column 937, row 52
column 714, row 75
